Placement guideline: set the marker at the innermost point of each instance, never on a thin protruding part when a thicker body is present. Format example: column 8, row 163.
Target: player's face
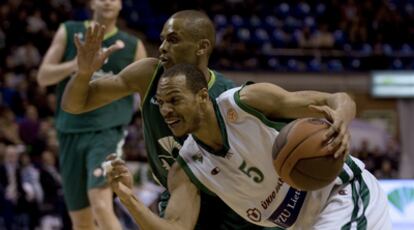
column 178, row 46
column 106, row 9
column 179, row 106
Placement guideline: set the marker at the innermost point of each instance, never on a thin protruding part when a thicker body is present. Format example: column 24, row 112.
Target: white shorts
column 359, row 205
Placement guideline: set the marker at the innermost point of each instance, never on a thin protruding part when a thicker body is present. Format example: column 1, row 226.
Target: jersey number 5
column 252, row 172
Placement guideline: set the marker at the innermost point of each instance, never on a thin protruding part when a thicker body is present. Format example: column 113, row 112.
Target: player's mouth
column 172, row 122
column 163, row 59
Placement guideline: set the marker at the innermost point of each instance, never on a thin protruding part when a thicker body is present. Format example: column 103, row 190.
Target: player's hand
column 90, row 56
column 119, row 177
column 337, row 136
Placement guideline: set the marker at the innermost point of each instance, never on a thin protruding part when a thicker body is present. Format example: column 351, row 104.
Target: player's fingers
column 339, row 151
column 334, row 130
column 343, row 148
column 78, row 42
column 323, row 110
column 117, row 162
column 120, row 169
column 101, row 33
column 88, row 33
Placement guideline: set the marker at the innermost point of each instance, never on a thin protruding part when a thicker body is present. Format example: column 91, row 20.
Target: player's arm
column 82, row 95
column 183, row 207
column 51, row 71
column 275, row 102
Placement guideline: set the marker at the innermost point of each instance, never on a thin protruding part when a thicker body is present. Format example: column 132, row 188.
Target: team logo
column 254, row 214
column 232, row 115
column 171, row 146
column 97, row 172
column 215, row 171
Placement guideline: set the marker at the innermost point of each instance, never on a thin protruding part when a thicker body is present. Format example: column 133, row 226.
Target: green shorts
column 80, row 158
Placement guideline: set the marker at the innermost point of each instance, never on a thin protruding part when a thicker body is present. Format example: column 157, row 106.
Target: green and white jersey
column 117, row 113
column 242, row 173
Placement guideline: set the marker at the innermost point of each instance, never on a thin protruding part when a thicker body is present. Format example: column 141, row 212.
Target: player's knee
column 101, row 200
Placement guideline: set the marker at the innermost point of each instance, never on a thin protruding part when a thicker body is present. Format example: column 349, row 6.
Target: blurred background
column 364, row 48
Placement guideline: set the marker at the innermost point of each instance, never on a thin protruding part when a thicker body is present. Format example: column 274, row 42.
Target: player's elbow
column 41, row 79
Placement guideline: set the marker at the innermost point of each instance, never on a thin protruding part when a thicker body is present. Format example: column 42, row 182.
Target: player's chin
column 178, row 133
column 167, row 64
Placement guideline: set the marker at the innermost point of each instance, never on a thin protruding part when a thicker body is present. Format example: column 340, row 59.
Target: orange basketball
column 301, row 158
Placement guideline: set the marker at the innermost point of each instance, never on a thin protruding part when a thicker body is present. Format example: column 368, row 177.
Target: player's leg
column 74, row 181
column 358, row 205
column 82, row 219
column 101, row 200
column 101, row 144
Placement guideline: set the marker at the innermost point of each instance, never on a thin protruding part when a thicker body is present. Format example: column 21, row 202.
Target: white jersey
column 242, row 174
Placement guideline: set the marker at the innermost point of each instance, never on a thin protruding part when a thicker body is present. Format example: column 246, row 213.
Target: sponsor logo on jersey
column 288, row 211
column 272, row 196
column 232, row 115
column 254, row 214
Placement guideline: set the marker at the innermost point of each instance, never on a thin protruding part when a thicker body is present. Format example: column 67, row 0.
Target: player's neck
column 209, row 132
column 207, row 74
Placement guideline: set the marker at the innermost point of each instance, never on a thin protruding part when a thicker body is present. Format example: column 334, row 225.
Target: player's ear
column 203, row 95
column 204, row 45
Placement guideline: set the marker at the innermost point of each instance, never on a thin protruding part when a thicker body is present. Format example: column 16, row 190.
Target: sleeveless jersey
column 161, row 144
column 117, row 113
column 242, row 174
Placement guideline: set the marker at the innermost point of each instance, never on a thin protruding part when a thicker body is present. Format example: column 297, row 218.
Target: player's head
column 182, row 94
column 106, row 10
column 187, row 37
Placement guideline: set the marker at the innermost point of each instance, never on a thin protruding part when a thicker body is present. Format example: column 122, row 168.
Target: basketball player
column 187, row 37
column 229, row 153
column 85, row 140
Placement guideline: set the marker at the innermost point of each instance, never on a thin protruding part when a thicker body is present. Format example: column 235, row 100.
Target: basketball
column 301, row 157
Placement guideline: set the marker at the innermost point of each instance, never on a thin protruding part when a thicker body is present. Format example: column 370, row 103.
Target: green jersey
column 117, row 113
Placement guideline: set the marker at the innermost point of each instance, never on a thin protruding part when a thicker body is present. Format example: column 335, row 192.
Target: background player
column 85, row 140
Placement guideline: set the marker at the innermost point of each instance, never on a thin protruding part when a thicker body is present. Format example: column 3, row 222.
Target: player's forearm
column 75, row 97
column 344, row 104
column 145, row 218
column 51, row 74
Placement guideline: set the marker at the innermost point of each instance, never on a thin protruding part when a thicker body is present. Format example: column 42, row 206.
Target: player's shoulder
column 221, row 79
